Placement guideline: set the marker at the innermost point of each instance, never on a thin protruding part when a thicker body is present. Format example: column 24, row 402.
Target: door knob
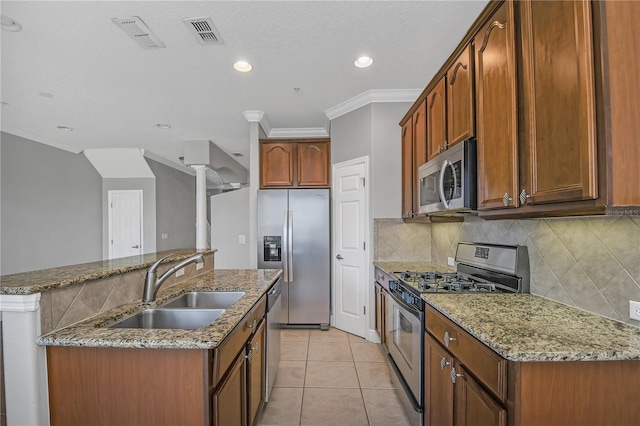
column 339, row 257
column 136, row 246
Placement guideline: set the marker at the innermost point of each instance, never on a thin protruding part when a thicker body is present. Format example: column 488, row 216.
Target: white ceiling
column 113, row 92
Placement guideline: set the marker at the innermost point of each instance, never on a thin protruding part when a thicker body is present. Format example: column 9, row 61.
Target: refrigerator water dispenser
column 272, row 248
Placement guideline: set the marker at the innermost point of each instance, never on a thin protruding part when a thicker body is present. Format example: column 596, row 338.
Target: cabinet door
column 256, row 373
column 438, row 385
column 558, row 144
column 229, row 401
column 496, row 110
column 473, row 405
column 408, row 182
column 460, row 110
column 437, row 119
column 276, row 164
column 419, row 148
column 313, row 164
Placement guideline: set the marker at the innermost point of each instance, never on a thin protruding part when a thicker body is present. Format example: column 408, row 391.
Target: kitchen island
column 209, row 375
column 38, row 302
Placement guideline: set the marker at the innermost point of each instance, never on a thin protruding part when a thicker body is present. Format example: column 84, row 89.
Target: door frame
column 370, row 333
column 110, row 193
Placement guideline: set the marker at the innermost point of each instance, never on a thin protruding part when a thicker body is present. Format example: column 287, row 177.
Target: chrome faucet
column 152, row 284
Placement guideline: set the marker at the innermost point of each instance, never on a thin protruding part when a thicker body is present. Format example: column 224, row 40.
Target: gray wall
column 229, row 219
column 373, row 131
column 175, row 207
column 148, row 187
column 50, row 207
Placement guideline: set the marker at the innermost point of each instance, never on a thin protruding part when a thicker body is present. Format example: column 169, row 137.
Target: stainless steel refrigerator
column 293, row 235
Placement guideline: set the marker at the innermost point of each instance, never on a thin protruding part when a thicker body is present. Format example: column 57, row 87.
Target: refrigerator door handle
column 285, row 247
column 290, row 245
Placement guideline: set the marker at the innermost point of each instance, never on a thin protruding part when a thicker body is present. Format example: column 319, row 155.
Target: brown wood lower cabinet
column 126, row 386
column 485, row 389
column 229, row 401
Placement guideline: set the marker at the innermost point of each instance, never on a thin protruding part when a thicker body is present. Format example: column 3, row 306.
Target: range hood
column 224, row 172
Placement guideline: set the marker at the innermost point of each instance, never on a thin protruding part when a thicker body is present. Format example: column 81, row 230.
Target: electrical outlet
column 199, row 266
column 451, row 261
column 634, row 310
column 242, row 239
column 180, row 272
column 165, row 236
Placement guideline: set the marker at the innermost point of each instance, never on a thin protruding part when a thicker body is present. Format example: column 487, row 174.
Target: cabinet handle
column 524, row 196
column 249, row 357
column 454, row 375
column 448, row 339
column 439, row 149
column 506, row 199
column 446, row 145
column 443, row 363
column 252, row 326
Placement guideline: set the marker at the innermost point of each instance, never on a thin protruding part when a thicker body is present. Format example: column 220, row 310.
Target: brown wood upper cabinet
column 496, row 110
column 558, row 124
column 294, row 163
column 437, row 119
column 414, row 154
column 450, row 106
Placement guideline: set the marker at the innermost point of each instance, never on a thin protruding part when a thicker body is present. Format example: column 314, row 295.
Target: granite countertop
column 93, row 332
column 64, row 276
column 529, row 328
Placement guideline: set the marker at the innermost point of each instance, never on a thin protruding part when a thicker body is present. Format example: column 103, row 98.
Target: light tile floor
column 331, row 378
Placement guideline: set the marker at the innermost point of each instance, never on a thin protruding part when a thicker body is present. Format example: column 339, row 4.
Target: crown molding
column 372, row 96
column 253, row 116
column 310, row 132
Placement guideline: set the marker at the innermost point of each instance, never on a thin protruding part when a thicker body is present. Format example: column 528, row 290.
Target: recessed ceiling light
column 9, row 24
column 45, row 94
column 242, row 66
column 363, row 62
column 163, row 126
column 65, row 128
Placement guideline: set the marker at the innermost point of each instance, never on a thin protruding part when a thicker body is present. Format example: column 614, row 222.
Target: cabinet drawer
column 482, row 362
column 225, row 354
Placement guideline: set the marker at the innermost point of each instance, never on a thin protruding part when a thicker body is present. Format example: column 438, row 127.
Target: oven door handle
column 401, row 303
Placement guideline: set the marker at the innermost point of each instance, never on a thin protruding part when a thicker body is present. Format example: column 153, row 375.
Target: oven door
column 405, row 333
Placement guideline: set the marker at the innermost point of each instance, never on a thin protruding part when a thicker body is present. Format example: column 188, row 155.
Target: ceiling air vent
column 204, row 30
column 137, row 30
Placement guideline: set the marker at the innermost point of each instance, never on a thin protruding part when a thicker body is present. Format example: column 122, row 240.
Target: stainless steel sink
column 205, row 300
column 187, row 319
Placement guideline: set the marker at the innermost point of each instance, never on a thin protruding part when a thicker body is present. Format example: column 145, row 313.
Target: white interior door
column 125, row 223
column 350, row 245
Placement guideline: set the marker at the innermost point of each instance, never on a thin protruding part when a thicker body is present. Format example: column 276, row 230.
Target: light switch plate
column 180, row 272
column 634, row 310
column 451, row 261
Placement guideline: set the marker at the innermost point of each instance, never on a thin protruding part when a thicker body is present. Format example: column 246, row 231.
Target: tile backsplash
column 592, row 263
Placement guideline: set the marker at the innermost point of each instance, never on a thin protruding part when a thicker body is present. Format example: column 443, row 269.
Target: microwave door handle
column 443, row 170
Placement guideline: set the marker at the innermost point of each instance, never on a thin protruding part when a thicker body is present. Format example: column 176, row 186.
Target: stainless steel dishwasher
column 274, row 305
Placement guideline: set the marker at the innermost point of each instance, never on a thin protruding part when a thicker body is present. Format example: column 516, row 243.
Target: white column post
column 25, row 363
column 201, row 207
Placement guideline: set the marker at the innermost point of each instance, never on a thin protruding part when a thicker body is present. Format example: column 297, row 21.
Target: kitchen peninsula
column 38, row 302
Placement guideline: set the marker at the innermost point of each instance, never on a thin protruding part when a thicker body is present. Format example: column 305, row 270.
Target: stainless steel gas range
column 480, row 268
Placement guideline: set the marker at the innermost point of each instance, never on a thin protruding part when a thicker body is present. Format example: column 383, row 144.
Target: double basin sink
column 190, row 311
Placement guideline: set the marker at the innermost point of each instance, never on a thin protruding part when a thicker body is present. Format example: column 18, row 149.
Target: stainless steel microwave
column 447, row 184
